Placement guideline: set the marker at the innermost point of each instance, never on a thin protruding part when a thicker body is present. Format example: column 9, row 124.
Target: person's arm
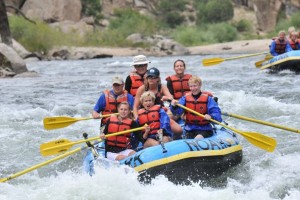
column 138, row 134
column 288, row 47
column 170, row 87
column 104, row 132
column 99, row 107
column 165, row 122
column 214, row 110
column 272, row 49
column 175, row 109
column 130, row 100
column 166, row 93
column 128, row 84
column 137, row 103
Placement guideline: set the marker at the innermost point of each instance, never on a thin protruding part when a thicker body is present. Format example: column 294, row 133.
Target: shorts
column 113, row 156
column 194, row 133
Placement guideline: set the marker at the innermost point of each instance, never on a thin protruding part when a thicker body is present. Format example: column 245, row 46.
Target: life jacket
column 116, row 126
column 280, row 46
column 136, row 82
column 180, row 85
column 158, row 96
column 294, row 44
column 151, row 117
column 199, row 105
column 112, row 103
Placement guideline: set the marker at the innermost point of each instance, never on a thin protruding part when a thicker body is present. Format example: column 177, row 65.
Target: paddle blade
column 212, row 61
column 260, row 140
column 51, row 123
column 55, row 147
column 258, row 64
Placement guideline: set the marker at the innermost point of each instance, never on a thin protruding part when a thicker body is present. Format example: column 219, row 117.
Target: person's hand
column 207, row 117
column 147, row 131
column 102, row 136
column 165, row 98
column 96, row 115
column 174, row 102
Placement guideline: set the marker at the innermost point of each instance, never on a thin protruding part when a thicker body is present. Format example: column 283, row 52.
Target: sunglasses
column 152, row 77
column 143, row 65
column 117, row 85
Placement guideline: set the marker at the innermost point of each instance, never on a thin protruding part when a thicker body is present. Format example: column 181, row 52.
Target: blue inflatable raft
column 286, row 61
column 181, row 161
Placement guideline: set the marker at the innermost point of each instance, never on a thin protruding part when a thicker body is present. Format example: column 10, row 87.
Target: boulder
column 53, row 10
column 9, row 59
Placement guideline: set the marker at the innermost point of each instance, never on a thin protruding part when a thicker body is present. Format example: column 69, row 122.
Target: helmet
column 153, row 72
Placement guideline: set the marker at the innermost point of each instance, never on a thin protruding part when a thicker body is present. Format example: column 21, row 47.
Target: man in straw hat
column 136, row 78
column 110, row 99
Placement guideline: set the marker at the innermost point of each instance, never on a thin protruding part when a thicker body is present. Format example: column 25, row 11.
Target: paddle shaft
column 214, row 61
column 256, row 139
column 261, row 122
column 51, row 123
column 41, row 164
column 56, row 144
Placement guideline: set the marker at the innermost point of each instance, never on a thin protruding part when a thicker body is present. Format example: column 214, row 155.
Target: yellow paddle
column 41, row 164
column 62, row 145
column 257, row 139
column 258, row 64
column 261, row 122
column 214, row 61
column 51, row 123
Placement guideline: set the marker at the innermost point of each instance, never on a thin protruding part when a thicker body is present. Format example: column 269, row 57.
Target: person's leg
column 176, row 129
column 150, row 142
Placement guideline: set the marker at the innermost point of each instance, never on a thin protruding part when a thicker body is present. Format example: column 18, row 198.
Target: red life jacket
column 112, row 103
column 293, row 44
column 151, row 117
column 208, row 93
column 116, row 126
column 199, row 105
column 280, row 46
column 180, row 85
column 136, row 82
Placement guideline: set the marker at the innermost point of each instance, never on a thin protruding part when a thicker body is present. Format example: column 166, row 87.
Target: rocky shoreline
column 18, row 56
column 236, row 47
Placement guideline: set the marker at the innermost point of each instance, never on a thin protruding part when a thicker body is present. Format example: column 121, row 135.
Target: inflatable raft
column 181, row 161
column 286, row 61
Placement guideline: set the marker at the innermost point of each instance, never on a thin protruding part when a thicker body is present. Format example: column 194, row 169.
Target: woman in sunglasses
column 153, row 83
column 136, row 77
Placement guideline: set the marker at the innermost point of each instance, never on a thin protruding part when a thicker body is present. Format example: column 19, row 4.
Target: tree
column 4, row 25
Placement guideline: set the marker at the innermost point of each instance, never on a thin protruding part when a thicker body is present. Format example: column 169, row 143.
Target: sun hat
column 154, row 72
column 140, row 60
column 117, row 80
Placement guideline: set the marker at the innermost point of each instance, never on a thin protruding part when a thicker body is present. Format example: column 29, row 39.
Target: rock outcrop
column 10, row 62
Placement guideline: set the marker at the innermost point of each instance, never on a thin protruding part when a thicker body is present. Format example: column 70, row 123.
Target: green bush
column 206, row 34
column 243, row 25
column 34, row 37
column 192, row 36
column 223, row 32
column 170, row 12
column 214, row 11
column 92, row 8
column 129, row 21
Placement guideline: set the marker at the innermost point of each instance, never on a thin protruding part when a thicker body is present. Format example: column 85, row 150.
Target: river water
column 71, row 88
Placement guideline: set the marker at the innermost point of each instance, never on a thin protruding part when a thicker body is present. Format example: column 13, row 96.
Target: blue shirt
column 212, row 109
column 164, row 120
column 101, row 103
column 273, row 48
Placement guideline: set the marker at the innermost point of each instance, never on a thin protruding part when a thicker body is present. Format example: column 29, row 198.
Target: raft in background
column 185, row 161
column 286, row 61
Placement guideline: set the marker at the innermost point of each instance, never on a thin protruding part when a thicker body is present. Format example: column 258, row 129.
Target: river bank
column 235, row 47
